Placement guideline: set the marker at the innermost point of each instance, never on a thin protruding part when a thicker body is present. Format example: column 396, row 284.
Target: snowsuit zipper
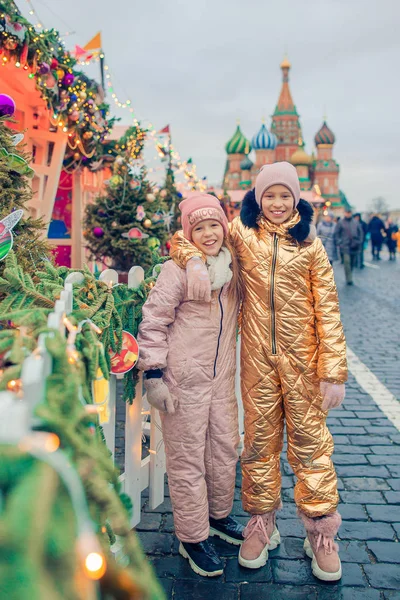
column 272, row 294
column 220, row 333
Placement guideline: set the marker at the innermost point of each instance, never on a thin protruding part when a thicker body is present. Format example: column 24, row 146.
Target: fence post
column 133, row 428
column 110, row 277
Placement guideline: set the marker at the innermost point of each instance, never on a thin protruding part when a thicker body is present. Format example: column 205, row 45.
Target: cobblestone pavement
column 367, row 459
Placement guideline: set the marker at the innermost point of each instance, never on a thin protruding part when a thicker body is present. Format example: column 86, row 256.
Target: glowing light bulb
column 95, row 565
column 52, row 442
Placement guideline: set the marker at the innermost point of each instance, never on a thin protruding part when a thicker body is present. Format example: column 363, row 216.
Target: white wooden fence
column 137, row 474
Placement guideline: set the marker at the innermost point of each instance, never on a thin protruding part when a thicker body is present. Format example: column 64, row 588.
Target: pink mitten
column 158, row 395
column 332, row 394
column 198, row 280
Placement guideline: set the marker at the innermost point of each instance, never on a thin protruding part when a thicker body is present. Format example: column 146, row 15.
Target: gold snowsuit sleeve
column 332, row 363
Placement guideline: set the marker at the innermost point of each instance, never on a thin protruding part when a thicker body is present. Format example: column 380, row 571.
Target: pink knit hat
column 279, row 173
column 199, row 207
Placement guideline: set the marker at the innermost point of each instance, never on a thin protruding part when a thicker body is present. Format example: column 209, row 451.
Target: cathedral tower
column 285, row 120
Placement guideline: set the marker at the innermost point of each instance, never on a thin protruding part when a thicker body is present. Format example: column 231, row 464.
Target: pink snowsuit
column 194, row 343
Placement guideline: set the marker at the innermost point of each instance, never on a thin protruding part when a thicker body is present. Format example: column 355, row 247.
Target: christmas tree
column 172, row 198
column 18, row 231
column 130, row 222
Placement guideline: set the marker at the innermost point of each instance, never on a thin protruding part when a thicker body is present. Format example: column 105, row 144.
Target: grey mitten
column 158, row 395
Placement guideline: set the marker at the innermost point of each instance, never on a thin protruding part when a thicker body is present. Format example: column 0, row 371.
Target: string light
column 95, row 565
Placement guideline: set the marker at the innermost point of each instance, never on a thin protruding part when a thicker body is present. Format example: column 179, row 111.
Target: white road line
column 386, row 401
column 371, row 266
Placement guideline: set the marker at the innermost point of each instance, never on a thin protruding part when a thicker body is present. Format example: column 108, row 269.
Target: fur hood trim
column 303, row 231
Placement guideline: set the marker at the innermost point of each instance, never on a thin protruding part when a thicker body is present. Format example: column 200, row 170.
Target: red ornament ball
column 98, row 232
column 168, row 245
column 54, row 64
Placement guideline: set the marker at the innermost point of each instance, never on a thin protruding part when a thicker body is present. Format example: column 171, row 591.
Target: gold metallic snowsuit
column 292, row 338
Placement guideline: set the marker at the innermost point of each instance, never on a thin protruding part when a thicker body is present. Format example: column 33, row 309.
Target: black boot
column 228, row 530
column 202, row 558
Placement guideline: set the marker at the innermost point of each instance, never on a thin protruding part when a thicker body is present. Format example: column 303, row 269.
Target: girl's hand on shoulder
column 198, row 280
column 158, row 395
column 332, row 394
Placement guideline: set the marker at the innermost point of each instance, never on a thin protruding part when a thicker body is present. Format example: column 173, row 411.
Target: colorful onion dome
column 246, row 164
column 264, row 140
column 285, row 64
column 238, row 144
column 324, row 135
column 300, row 156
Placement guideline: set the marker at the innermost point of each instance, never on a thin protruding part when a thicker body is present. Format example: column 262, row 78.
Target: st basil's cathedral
column 318, row 173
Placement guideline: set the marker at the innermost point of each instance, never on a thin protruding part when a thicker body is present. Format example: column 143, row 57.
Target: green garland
column 37, row 524
column 28, row 302
column 37, row 505
column 75, row 101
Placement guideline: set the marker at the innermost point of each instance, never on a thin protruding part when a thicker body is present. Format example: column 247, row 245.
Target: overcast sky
column 202, row 65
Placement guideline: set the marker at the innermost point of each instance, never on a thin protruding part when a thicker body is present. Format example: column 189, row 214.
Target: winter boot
column 260, row 535
column 319, row 545
column 227, row 529
column 202, row 558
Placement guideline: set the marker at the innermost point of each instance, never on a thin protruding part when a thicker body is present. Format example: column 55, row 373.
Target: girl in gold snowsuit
column 293, row 365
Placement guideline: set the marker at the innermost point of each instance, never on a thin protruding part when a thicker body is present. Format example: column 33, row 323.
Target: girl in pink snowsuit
column 187, row 350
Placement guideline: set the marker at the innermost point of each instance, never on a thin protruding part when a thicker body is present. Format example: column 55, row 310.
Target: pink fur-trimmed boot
column 319, row 545
column 260, row 535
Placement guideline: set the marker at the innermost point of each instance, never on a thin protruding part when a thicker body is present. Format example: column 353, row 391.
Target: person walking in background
column 326, row 230
column 391, row 230
column 396, row 237
column 364, row 227
column 349, row 237
column 376, row 228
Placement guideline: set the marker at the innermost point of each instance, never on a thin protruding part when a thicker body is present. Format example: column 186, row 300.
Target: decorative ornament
column 168, row 245
column 150, row 197
column 135, row 169
column 114, row 224
column 101, row 395
column 68, row 79
column 135, row 234
column 6, row 237
column 7, row 106
column 17, row 138
column 82, row 95
column 88, row 135
column 60, row 74
column 125, row 360
column 135, row 184
column 53, row 64
column 157, row 217
column 16, row 163
column 74, row 116
column 163, row 193
column 98, row 232
column 168, row 218
column 140, row 213
column 44, row 68
column 77, row 156
column 10, row 43
column 153, row 243
column 116, row 180
column 147, row 223
column 179, row 195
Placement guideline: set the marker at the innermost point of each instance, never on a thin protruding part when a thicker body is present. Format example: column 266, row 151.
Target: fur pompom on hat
column 279, row 173
column 200, row 207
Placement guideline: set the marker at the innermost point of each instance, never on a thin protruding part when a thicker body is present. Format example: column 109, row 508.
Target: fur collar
column 304, row 230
